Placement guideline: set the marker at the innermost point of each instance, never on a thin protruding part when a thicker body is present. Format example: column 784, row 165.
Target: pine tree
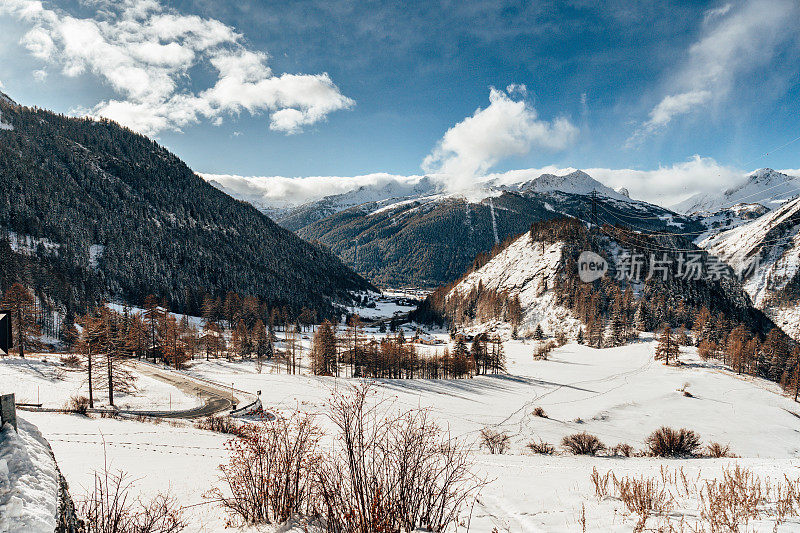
column 538, row 334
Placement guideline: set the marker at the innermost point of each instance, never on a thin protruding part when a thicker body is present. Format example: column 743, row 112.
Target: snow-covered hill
column 728, row 218
column 765, row 186
column 767, row 253
column 527, row 270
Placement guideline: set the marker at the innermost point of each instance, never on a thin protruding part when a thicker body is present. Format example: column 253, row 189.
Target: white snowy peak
column 765, row 186
column 577, row 182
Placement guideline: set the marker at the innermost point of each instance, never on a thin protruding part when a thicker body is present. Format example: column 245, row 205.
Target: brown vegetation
column 582, row 444
column 669, row 442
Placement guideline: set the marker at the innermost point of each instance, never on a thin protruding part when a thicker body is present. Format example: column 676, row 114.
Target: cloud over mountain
column 507, row 127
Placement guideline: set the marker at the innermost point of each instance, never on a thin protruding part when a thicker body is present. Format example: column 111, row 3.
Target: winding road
column 216, row 398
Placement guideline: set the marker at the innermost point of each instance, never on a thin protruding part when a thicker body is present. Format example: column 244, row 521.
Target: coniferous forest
column 90, row 210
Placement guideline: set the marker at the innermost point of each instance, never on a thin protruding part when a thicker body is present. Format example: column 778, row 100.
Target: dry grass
column 582, row 444
column 602, row 483
column 643, row 497
column 738, row 501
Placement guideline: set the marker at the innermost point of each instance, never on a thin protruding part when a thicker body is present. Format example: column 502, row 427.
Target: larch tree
column 323, row 350
column 90, row 344
column 20, row 303
column 667, row 347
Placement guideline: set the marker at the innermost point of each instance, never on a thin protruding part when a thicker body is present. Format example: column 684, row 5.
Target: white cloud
column 716, row 12
column 40, row 75
column 506, row 128
column 145, row 52
column 665, row 185
column 280, row 191
column 736, row 40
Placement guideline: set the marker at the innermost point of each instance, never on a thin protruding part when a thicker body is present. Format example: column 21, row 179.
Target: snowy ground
column 618, row 394
column 46, row 380
column 28, row 481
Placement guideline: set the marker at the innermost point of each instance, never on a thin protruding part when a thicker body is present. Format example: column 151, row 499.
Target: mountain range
column 765, row 186
column 424, row 235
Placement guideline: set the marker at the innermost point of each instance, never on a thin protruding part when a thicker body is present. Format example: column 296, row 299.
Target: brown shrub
column 495, row 441
column 71, row 361
column 582, row 444
column 623, row 450
column 391, row 473
column 219, row 424
column 269, row 475
column 542, row 448
column 669, row 442
column 78, row 404
column 717, row 450
column 539, row 412
column 109, row 508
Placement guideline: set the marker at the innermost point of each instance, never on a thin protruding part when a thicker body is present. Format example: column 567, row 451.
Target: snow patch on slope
column 28, row 481
column 4, row 125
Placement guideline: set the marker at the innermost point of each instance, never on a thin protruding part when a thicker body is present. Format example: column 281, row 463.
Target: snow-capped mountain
column 430, row 236
column 767, row 187
column 378, row 196
column 577, row 182
column 766, row 252
column 728, row 218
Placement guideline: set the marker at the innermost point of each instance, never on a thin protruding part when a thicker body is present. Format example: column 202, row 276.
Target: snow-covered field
column 45, row 380
column 618, row 394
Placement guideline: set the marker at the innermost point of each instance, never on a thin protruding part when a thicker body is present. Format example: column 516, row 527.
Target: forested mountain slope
column 767, row 253
column 92, row 210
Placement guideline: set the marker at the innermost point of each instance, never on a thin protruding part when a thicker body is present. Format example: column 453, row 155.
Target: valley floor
column 619, row 394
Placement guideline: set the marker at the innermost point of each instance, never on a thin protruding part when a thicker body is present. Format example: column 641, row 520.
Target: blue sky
column 343, row 88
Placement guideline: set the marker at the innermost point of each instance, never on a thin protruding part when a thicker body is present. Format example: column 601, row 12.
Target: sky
column 666, row 98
